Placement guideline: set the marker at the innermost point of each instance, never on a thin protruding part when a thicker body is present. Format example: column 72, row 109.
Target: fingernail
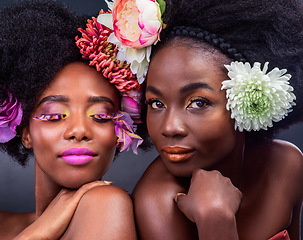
column 108, row 182
column 178, row 194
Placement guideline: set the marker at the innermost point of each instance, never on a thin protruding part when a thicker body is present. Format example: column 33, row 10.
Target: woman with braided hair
column 224, row 78
column 69, row 115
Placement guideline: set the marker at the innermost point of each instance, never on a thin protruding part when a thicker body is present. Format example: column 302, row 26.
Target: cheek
column 106, row 141
column 217, row 133
column 153, row 126
column 44, row 136
column 106, row 137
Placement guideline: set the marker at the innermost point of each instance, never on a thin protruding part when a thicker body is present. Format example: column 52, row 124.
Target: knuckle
column 198, row 172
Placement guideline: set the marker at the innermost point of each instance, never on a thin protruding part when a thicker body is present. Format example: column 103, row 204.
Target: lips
column 177, row 154
column 77, row 156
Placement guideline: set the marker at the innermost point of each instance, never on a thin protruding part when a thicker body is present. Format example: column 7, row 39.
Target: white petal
column 110, row 5
column 106, row 19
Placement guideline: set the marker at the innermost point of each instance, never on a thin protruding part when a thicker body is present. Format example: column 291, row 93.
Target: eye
column 101, row 118
column 198, row 103
column 53, row 117
column 155, row 104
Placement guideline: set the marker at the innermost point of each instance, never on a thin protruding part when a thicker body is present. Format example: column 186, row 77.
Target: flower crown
column 118, row 43
column 123, row 59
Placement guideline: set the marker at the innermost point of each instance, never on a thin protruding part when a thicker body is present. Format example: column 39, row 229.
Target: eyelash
column 51, row 117
column 151, row 101
column 204, row 101
column 96, row 117
column 105, row 117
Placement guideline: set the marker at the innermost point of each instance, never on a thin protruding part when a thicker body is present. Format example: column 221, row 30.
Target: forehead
column 80, row 81
column 178, row 65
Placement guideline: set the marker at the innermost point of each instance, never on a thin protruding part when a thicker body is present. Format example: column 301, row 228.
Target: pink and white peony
column 137, row 23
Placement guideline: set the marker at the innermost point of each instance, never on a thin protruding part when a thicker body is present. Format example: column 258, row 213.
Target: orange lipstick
column 177, row 154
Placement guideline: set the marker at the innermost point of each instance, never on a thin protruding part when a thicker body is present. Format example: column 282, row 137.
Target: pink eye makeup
column 51, row 117
column 52, row 112
column 101, row 112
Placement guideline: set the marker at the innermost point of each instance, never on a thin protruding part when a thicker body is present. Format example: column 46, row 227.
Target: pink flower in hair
column 126, row 136
column 137, row 23
column 10, row 117
column 131, row 106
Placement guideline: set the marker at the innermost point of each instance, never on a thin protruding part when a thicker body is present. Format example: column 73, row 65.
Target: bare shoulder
column 154, row 187
column 105, row 201
column 290, row 164
column 287, row 156
column 104, row 212
column 156, row 178
column 279, row 154
column 157, row 215
column 106, row 194
column 14, row 223
column 282, row 163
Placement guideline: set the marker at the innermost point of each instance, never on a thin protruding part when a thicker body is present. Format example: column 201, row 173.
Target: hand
column 209, row 194
column 55, row 219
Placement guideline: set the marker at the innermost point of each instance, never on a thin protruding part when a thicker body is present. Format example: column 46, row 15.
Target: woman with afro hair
column 224, row 78
column 67, row 114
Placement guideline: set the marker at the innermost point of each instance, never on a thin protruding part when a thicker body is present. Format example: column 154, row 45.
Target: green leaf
column 162, row 5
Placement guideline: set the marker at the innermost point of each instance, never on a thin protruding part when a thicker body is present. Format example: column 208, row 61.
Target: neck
column 45, row 190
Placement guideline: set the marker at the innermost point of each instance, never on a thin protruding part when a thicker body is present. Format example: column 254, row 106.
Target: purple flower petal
column 10, row 117
column 6, row 134
column 125, row 133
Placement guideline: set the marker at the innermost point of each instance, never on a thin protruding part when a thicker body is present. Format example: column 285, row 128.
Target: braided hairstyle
column 37, row 39
column 243, row 30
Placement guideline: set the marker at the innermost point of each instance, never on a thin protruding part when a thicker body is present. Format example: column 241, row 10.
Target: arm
column 55, row 219
column 103, row 213
column 211, row 202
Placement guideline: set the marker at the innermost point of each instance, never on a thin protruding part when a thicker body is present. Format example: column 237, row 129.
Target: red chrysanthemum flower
column 103, row 55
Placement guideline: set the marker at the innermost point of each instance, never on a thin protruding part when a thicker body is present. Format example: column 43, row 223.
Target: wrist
column 217, row 224
column 31, row 234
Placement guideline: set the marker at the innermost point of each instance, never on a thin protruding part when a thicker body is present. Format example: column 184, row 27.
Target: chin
column 180, row 171
column 76, row 183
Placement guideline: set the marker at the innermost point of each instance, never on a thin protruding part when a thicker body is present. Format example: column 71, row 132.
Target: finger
column 82, row 190
column 179, row 196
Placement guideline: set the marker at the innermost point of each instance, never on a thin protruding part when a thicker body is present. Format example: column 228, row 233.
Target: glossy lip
column 178, row 154
column 77, row 156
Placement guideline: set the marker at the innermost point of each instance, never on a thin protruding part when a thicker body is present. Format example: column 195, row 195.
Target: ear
column 26, row 137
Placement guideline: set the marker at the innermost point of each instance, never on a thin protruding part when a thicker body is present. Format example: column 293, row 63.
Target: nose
column 174, row 124
column 78, row 128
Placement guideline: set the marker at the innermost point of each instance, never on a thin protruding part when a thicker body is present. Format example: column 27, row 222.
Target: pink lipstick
column 77, row 156
column 177, row 154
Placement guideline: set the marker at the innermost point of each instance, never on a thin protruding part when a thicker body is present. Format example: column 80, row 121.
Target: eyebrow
column 153, row 90
column 61, row 98
column 194, row 86
column 53, row 98
column 99, row 99
column 185, row 89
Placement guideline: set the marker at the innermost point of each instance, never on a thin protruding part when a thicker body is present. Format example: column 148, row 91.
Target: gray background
column 17, row 183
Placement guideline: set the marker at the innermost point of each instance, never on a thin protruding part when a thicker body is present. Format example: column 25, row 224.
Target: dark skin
column 70, row 201
column 208, row 182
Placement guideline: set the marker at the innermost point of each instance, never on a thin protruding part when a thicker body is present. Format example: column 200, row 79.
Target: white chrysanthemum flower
column 256, row 98
column 138, row 58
